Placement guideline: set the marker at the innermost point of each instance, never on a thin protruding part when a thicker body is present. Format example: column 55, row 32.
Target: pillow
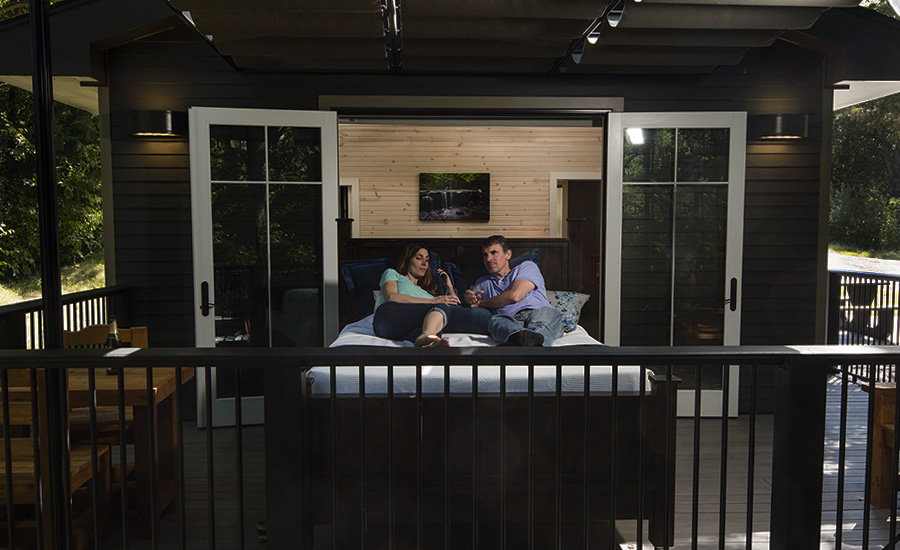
column 569, row 305
column 363, row 276
column 465, row 278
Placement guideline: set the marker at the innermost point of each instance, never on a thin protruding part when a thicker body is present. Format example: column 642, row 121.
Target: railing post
column 834, row 308
column 798, row 454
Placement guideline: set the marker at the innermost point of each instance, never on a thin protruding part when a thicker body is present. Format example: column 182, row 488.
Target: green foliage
column 78, row 174
column 865, row 192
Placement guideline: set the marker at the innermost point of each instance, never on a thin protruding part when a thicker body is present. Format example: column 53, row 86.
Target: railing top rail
column 866, row 274
column 570, row 355
column 71, row 298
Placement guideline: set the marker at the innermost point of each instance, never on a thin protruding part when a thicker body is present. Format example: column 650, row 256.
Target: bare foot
column 431, row 341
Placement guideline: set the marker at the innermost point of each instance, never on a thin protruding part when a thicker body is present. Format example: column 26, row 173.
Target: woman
column 412, row 309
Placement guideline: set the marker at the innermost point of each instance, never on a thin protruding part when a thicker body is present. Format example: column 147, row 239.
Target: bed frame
column 489, row 471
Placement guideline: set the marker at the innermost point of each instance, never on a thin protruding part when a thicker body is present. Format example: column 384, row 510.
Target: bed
column 424, row 457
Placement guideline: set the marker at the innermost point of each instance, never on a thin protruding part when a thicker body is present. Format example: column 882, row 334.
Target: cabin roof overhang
column 465, row 37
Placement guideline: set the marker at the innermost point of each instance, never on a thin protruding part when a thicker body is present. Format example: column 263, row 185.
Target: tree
column 78, row 176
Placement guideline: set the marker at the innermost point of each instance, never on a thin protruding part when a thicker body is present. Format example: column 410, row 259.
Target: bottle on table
column 112, row 341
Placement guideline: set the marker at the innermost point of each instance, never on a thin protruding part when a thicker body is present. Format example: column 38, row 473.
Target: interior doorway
column 580, row 196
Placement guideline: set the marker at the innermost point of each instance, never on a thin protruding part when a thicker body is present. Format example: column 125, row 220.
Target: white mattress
column 545, row 380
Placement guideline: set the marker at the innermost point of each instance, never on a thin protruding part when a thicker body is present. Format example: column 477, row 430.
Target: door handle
column 205, row 304
column 732, row 300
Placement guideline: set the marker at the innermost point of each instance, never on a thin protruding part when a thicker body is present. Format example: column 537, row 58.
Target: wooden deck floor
column 708, row 506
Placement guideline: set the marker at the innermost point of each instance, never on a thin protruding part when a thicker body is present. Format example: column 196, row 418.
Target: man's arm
column 517, row 291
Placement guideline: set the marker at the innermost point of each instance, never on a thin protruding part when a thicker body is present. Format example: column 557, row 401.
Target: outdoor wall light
column 157, row 123
column 778, row 126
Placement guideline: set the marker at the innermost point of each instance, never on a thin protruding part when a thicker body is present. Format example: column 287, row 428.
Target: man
column 517, row 296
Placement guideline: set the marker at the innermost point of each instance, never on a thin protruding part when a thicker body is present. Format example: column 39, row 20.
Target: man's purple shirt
column 527, row 270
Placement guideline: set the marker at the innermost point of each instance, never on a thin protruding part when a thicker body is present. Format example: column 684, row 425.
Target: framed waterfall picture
column 454, row 197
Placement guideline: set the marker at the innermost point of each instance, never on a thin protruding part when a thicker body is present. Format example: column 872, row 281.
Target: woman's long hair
column 406, row 258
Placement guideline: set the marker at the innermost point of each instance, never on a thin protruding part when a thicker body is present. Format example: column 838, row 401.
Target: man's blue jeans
column 546, row 321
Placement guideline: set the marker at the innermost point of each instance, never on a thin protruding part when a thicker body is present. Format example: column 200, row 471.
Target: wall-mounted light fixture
column 157, row 123
column 778, row 126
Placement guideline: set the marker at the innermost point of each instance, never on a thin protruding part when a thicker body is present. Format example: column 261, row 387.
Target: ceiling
column 495, row 36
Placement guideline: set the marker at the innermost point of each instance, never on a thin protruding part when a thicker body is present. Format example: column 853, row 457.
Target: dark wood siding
column 175, row 70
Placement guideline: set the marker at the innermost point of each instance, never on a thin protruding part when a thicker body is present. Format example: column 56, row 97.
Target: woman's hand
column 450, row 300
column 446, row 278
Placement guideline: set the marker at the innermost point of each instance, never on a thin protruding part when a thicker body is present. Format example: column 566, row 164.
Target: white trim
column 599, row 105
column 737, row 123
column 200, row 119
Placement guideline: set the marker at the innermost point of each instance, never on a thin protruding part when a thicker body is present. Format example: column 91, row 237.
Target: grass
column 850, row 251
column 84, row 275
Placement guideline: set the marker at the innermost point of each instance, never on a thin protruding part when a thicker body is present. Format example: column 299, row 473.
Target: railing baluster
column 446, row 457
column 842, row 458
column 642, row 391
column 151, row 447
column 558, row 458
column 613, row 462
column 390, row 449
column 530, row 458
column 239, row 454
column 475, row 457
column 867, row 499
column 723, row 453
column 751, row 456
column 95, row 470
column 179, row 460
column 695, row 481
column 503, row 456
column 332, row 396
column 210, row 462
column 586, row 535
column 362, row 458
column 420, row 517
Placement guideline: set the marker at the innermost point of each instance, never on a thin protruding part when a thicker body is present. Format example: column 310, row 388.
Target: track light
column 594, row 36
column 577, row 53
column 615, row 13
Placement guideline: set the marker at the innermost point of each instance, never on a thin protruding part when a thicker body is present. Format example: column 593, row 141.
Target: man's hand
column 473, row 297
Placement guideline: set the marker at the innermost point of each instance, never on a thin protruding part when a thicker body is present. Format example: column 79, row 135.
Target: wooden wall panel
column 387, row 161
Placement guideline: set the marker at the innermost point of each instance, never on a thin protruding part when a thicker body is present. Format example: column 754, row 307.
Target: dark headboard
column 561, row 269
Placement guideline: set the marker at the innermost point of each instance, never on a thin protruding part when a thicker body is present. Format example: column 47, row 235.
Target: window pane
column 649, row 155
column 295, row 154
column 237, row 153
column 646, row 265
column 699, row 268
column 703, row 154
column 296, row 248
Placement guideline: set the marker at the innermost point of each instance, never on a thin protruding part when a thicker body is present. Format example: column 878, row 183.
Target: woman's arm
column 390, row 293
column 447, row 283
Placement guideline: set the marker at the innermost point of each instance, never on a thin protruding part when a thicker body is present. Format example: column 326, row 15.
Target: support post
column 797, row 458
column 57, row 455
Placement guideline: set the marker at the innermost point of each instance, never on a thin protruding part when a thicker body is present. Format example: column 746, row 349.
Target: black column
column 57, row 510
column 798, row 454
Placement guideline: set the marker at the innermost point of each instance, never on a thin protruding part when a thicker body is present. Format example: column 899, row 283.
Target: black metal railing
column 864, row 309
column 506, row 460
column 22, row 323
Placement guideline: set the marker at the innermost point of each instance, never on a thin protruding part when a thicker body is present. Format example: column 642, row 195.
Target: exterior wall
column 387, row 161
column 175, row 70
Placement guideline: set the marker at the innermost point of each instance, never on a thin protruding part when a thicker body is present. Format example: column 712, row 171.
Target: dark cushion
column 363, row 276
column 465, row 277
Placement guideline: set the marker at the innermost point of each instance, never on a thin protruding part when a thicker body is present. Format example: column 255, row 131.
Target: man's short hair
column 495, row 239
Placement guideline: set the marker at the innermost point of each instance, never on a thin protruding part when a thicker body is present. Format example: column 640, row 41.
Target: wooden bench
column 881, row 441
column 23, row 489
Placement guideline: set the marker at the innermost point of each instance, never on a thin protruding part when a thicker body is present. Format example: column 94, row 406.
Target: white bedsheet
column 545, row 380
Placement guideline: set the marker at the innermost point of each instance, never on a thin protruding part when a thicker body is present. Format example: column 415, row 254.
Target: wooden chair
column 23, row 479
column 94, row 336
column 881, row 438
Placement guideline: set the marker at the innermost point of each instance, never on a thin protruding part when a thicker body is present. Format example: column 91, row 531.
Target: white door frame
column 200, row 118
column 737, row 122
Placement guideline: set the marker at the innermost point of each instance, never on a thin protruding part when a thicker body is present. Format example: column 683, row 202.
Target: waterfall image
column 454, row 196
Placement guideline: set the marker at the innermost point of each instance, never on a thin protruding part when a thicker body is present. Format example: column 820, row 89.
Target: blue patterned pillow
column 569, row 305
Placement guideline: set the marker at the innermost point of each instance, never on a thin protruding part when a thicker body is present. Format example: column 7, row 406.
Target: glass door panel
column 261, row 182
column 676, row 213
